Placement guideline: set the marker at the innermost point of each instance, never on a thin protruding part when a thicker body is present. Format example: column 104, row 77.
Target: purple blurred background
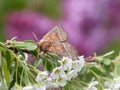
column 92, row 24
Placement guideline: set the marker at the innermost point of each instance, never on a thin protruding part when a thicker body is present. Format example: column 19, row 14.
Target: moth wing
column 56, row 34
column 71, row 51
column 64, row 49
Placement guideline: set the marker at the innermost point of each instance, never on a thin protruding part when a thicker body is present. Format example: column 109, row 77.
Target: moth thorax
column 45, row 45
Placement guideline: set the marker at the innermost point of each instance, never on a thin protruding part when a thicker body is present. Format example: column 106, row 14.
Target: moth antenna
column 35, row 36
column 13, row 38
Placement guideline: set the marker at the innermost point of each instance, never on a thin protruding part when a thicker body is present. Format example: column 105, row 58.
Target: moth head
column 44, row 45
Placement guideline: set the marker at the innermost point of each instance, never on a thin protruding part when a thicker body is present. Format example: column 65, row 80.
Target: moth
column 55, row 41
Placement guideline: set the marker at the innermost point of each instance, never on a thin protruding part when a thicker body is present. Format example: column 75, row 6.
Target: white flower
column 54, row 85
column 3, row 86
column 57, row 72
column 20, row 56
column 92, row 86
column 40, row 87
column 107, row 89
column 81, row 61
column 48, row 82
column 34, row 87
column 71, row 74
column 78, row 64
column 26, row 56
column 61, row 80
column 117, row 83
column 0, row 84
column 23, row 58
column 28, row 88
column 42, row 76
column 66, row 63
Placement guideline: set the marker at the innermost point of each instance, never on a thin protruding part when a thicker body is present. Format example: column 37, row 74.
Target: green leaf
column 29, row 45
column 85, row 73
column 37, row 63
column 6, row 72
column 8, row 58
column 47, row 63
column 2, row 46
column 117, row 69
column 97, row 70
column 107, row 61
column 49, row 66
column 35, row 53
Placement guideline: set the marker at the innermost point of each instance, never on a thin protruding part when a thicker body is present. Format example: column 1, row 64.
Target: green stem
column 16, row 69
column 22, row 76
column 98, row 78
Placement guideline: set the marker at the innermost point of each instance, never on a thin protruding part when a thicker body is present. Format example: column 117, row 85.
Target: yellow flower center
column 60, row 79
column 64, row 62
column 57, row 71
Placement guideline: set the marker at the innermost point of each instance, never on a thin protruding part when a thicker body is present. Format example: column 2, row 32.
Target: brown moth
column 55, row 41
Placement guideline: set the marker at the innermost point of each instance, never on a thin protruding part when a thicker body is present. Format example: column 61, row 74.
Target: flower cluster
column 66, row 71
column 114, row 85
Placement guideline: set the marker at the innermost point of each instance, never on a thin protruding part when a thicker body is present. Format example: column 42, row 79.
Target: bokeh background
column 93, row 25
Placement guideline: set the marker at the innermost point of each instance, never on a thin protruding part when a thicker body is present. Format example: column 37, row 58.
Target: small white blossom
column 23, row 58
column 26, row 56
column 0, row 84
column 40, row 87
column 61, row 80
column 34, row 88
column 117, row 83
column 3, row 86
column 54, row 85
column 57, row 72
column 48, row 82
column 107, row 89
column 28, row 88
column 78, row 64
column 66, row 63
column 71, row 74
column 92, row 86
column 42, row 76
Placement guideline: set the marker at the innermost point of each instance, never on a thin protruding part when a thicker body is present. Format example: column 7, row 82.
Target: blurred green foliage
column 114, row 45
column 51, row 8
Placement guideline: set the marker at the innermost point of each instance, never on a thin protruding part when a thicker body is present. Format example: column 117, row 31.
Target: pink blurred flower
column 91, row 24
column 22, row 24
column 95, row 22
